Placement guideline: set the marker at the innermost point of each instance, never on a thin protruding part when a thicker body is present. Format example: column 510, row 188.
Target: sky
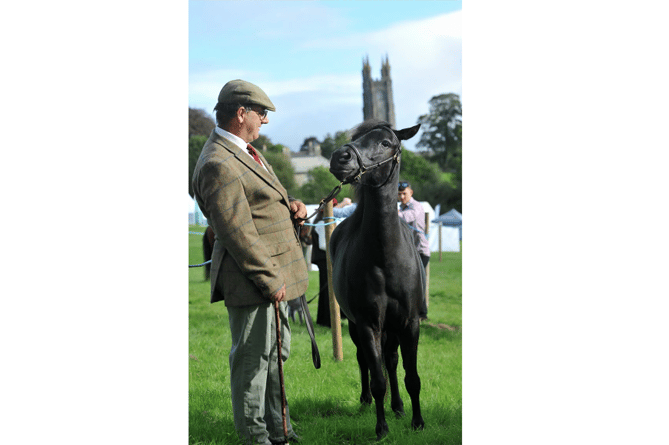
column 308, row 56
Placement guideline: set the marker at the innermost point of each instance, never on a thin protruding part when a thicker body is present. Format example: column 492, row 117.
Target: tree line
column 435, row 172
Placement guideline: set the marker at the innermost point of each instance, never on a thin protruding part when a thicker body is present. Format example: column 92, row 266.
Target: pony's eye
column 385, row 143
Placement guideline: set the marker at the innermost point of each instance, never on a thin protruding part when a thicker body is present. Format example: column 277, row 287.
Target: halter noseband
column 355, row 177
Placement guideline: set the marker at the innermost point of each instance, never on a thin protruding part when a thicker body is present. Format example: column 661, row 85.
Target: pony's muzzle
column 343, row 163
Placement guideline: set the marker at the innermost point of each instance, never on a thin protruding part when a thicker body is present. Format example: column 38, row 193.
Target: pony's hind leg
column 409, row 346
column 391, row 357
column 366, row 393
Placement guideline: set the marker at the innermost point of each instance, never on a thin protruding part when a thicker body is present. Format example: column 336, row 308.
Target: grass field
column 324, row 403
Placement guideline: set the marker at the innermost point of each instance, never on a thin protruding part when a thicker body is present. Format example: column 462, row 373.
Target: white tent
column 450, row 237
column 195, row 215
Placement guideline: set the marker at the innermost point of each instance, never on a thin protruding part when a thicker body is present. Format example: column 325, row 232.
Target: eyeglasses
column 262, row 113
column 403, row 185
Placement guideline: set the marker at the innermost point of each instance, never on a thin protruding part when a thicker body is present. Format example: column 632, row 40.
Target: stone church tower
column 377, row 95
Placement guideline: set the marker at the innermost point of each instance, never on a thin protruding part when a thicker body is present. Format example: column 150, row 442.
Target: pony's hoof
column 381, row 430
column 399, row 412
column 366, row 399
column 417, row 424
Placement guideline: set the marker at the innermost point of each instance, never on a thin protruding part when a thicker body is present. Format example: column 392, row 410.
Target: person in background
column 257, row 258
column 344, row 209
column 412, row 212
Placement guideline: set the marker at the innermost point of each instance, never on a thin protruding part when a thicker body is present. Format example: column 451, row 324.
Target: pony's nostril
column 345, row 157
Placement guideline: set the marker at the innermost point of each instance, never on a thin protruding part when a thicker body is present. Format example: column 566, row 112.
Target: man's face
column 253, row 120
column 405, row 195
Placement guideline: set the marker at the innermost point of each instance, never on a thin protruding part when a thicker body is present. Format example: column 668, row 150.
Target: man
column 411, row 211
column 257, row 257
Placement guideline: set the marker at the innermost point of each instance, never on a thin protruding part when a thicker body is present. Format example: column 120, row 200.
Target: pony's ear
column 407, row 133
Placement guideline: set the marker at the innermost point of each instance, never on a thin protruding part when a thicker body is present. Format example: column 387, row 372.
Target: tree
column 195, row 144
column 305, row 144
column 320, row 184
column 283, row 169
column 428, row 181
column 442, row 131
column 418, row 170
column 330, row 143
column 199, row 123
column 264, row 142
column 200, row 126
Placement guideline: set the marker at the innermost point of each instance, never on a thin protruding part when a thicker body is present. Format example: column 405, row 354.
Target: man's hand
column 299, row 210
column 345, row 202
column 280, row 295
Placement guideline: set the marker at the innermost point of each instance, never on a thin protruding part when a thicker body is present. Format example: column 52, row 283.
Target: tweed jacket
column 257, row 248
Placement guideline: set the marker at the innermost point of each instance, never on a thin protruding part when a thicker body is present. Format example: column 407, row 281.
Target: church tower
column 377, row 95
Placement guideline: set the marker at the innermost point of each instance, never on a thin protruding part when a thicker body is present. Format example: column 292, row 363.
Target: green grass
column 324, row 402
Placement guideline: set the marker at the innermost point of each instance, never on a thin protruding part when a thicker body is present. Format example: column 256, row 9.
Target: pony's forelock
column 367, row 126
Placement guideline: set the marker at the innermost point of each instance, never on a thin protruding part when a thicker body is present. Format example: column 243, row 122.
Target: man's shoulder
column 416, row 204
column 217, row 142
column 218, row 149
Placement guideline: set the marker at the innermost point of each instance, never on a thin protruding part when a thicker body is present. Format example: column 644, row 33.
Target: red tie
column 252, row 152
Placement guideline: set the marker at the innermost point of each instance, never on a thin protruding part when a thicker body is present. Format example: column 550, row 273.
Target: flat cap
column 243, row 92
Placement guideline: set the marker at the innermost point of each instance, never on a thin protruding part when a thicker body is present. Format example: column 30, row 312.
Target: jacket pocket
column 279, row 248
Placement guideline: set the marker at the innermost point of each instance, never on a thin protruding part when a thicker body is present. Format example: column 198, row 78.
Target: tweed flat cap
column 241, row 91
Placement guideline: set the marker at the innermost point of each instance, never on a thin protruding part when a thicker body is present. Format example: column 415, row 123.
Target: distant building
column 309, row 157
column 377, row 95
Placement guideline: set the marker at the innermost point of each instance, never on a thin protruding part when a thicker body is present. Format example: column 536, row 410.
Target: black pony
column 378, row 277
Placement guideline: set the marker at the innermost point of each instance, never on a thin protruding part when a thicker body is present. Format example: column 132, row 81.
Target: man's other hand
column 280, row 295
column 299, row 210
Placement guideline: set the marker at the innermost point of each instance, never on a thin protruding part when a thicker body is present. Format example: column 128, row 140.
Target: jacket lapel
column 267, row 176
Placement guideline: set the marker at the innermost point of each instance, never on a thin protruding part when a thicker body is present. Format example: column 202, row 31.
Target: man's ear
column 241, row 112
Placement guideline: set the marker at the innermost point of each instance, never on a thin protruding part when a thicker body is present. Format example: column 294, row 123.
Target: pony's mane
column 367, row 126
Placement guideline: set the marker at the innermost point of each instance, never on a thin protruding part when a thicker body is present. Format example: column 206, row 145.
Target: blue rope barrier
column 199, row 265
column 320, row 224
column 336, row 220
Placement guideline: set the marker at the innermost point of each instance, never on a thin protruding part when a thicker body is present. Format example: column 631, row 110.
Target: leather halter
column 355, row 177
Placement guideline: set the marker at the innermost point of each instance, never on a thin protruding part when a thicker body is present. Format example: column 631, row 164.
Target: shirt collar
column 239, row 142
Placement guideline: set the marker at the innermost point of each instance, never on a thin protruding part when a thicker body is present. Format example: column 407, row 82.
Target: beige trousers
column 254, row 371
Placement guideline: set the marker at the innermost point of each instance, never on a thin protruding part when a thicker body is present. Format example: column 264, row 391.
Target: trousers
column 254, row 371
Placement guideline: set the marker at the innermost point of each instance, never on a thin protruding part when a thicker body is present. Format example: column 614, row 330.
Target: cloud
column 425, row 58
column 410, row 35
column 331, row 88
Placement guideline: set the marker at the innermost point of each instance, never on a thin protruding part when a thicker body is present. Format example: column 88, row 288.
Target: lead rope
column 283, row 389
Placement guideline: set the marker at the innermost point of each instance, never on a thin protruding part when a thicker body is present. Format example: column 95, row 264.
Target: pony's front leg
column 370, row 343
column 365, row 394
column 390, row 344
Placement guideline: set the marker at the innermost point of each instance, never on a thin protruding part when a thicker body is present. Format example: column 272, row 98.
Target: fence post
column 335, row 318
column 427, row 269
column 440, row 242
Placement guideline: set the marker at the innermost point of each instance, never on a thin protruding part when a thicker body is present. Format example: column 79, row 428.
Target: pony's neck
column 380, row 210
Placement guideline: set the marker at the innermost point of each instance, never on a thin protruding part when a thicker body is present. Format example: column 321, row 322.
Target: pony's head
column 373, row 154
